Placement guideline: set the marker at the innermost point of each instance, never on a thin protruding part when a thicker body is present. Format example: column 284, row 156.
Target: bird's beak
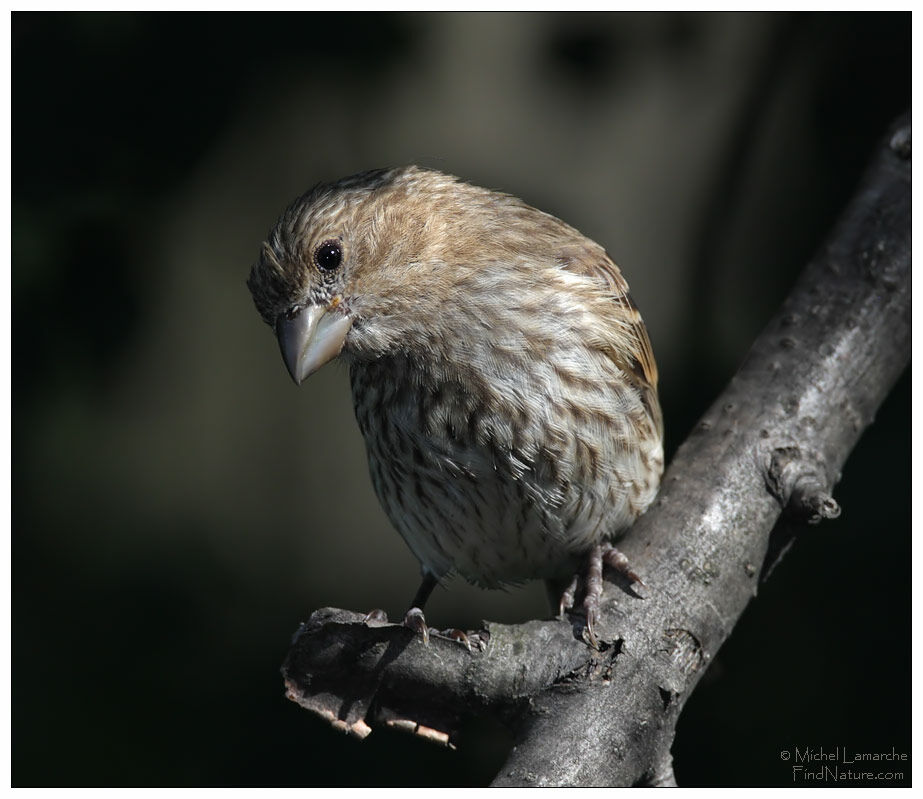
column 311, row 337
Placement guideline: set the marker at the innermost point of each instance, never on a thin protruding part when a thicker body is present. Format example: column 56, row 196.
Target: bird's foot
column 414, row 620
column 593, row 586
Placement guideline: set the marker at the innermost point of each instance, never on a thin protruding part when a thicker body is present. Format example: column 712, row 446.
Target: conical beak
column 309, row 338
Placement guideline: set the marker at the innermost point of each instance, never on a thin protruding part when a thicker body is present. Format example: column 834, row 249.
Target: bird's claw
column 589, row 631
column 568, row 597
column 458, row 635
column 377, row 616
column 615, row 559
column 415, row 621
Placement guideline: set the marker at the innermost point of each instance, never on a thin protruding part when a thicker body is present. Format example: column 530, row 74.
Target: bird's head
column 413, row 262
column 367, row 263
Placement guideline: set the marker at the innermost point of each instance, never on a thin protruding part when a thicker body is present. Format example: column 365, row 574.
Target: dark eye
column 328, row 256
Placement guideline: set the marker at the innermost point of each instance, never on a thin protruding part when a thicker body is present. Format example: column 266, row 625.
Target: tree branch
column 760, row 464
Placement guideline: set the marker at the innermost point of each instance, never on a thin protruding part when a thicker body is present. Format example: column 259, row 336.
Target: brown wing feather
column 639, row 362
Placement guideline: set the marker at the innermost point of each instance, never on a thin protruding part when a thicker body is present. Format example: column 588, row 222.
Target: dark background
column 179, row 507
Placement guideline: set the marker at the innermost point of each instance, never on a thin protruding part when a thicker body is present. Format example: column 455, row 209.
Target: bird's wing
column 635, row 357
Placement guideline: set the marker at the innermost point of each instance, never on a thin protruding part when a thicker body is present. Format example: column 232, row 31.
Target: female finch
column 502, row 376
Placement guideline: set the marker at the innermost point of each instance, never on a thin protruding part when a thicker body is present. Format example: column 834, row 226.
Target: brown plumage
column 502, row 376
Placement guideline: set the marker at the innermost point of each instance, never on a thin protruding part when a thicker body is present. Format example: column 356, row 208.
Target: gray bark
column 760, row 464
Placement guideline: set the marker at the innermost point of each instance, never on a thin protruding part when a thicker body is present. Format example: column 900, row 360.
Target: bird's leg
column 414, row 617
column 594, row 590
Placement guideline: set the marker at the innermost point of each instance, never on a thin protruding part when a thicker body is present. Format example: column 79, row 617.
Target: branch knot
column 799, row 482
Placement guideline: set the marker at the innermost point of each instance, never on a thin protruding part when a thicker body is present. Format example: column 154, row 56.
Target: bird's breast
column 499, row 480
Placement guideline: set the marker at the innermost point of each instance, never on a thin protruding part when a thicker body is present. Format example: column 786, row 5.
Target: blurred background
column 179, row 506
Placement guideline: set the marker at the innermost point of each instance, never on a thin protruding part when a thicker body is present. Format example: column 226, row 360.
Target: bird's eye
column 328, row 256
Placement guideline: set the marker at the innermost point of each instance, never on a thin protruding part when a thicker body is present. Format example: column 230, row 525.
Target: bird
column 502, row 376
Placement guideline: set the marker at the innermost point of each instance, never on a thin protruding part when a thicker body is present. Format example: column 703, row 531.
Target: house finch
column 502, row 376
